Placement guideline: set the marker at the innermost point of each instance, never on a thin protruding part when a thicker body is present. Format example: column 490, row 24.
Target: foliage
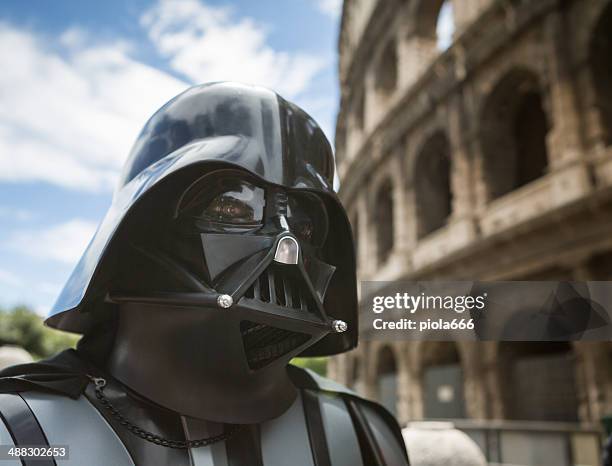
column 23, row 327
column 318, row 365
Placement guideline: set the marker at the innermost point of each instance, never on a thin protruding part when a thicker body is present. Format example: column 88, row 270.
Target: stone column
column 462, row 185
column 470, row 121
column 400, row 208
column 404, row 380
column 368, row 209
column 371, row 116
column 592, row 122
column 474, row 380
column 564, row 141
column 410, row 209
column 415, row 53
column 364, row 222
column 370, row 363
column 583, row 371
column 333, row 368
column 415, row 388
column 590, row 381
column 492, row 382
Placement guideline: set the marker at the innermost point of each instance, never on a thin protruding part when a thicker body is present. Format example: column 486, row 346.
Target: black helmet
column 283, row 263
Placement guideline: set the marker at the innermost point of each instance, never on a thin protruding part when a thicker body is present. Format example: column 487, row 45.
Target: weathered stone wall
column 507, row 57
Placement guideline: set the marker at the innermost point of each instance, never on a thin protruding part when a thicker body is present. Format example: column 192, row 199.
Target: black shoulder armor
column 378, row 433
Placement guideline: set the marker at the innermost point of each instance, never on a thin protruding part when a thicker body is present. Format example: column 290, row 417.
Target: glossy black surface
column 283, row 145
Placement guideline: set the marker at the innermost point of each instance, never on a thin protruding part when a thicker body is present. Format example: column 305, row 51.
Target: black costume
column 225, row 254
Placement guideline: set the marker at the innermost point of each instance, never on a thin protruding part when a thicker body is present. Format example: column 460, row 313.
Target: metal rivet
column 339, row 326
column 224, row 301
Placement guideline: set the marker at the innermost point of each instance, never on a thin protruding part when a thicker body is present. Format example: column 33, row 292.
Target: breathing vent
column 280, row 285
column 264, row 344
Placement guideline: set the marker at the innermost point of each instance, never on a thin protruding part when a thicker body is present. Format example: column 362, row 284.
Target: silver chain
column 100, row 384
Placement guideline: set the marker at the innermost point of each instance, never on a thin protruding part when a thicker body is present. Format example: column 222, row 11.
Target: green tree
column 318, row 365
column 23, row 327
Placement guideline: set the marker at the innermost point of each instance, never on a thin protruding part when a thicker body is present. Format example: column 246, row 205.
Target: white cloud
column 64, row 242
column 16, row 214
column 70, row 118
column 331, row 8
column 8, row 278
column 207, row 43
column 71, row 108
column 74, row 37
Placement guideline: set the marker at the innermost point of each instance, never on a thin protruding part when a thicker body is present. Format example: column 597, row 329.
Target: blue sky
column 80, row 79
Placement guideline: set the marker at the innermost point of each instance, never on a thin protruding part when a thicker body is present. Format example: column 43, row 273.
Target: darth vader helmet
column 226, row 217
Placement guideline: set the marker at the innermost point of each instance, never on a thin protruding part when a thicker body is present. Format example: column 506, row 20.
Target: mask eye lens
column 229, row 208
column 307, row 218
column 219, row 202
column 304, row 231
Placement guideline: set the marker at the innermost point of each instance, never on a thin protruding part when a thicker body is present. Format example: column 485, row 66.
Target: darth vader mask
column 257, row 250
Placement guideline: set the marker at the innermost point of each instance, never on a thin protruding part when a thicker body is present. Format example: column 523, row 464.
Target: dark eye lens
column 307, row 218
column 227, row 209
column 221, row 200
column 304, row 230
column 241, row 205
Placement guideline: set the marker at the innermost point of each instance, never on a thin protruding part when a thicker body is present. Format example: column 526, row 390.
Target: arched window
column 601, row 66
column 432, row 184
column 514, row 126
column 445, row 26
column 551, row 396
column 442, row 381
column 387, row 379
column 435, row 23
column 384, row 221
column 386, row 73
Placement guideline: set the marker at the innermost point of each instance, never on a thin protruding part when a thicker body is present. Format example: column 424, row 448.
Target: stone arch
column 384, row 217
column 425, row 15
column 513, row 133
column 442, row 380
column 551, row 396
column 431, row 178
column 600, row 60
column 387, row 70
column 360, row 109
column 387, row 378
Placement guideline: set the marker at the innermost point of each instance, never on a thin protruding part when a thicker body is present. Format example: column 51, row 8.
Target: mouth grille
column 264, row 344
column 281, row 286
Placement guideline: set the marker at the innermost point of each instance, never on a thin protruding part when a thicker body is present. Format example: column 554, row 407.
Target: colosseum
column 482, row 154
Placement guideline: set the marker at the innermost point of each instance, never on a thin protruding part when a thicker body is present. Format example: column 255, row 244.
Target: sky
column 80, row 79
